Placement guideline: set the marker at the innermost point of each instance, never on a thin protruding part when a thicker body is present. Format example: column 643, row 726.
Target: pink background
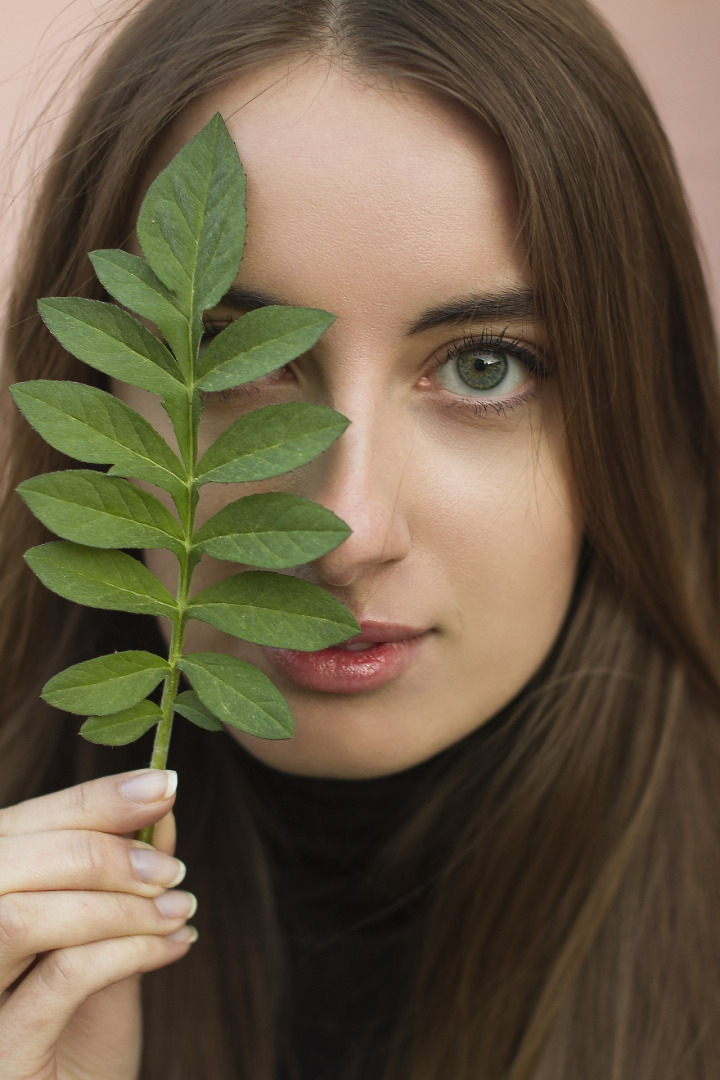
column 674, row 44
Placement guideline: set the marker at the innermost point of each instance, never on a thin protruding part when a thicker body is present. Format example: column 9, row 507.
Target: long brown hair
column 570, row 913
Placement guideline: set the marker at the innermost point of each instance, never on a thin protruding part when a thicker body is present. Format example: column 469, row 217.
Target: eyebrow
column 514, row 304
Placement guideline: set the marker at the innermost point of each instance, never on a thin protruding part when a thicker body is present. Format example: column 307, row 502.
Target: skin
column 377, row 202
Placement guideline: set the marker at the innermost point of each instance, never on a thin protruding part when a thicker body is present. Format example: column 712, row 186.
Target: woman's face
column 396, row 212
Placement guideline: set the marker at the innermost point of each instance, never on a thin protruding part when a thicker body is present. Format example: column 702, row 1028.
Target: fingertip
column 147, row 786
column 186, row 935
column 165, row 834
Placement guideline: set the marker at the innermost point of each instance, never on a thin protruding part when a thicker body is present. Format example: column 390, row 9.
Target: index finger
column 113, row 804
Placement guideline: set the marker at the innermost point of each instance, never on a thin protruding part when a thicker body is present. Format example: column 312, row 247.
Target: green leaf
column 122, row 728
column 91, row 425
column 107, row 338
column 274, row 609
column 101, row 579
column 132, row 282
column 272, row 531
column 239, row 695
column 270, row 441
column 258, row 343
column 101, row 511
column 191, row 225
column 189, row 705
column 106, row 684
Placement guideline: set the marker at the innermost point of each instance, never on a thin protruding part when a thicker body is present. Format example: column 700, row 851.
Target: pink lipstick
column 380, row 653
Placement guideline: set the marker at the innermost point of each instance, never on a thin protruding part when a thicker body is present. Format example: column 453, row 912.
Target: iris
column 483, row 372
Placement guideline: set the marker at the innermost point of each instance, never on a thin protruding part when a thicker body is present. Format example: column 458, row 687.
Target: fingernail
column 176, row 904
column 156, row 868
column 186, row 935
column 152, row 785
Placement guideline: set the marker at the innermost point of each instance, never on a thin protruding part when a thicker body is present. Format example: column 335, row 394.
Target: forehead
column 377, row 183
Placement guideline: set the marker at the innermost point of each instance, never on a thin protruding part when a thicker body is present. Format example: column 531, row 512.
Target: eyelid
column 213, row 323
column 533, row 355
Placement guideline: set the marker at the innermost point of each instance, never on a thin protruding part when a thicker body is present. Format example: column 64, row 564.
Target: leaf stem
column 163, row 731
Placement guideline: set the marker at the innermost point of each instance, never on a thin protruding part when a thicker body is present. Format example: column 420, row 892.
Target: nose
column 364, row 479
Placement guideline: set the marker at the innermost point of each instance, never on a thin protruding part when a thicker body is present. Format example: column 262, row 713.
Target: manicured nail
column 156, row 868
column 186, row 935
column 152, row 785
column 176, row 904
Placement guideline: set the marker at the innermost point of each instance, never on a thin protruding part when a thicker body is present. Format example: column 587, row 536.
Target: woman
column 490, row 850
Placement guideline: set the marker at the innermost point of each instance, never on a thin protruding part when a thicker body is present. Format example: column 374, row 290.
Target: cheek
column 508, row 542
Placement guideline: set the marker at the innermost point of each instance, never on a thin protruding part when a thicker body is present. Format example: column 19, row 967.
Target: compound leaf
column 106, row 684
column 239, row 695
column 258, row 343
column 102, row 511
column 189, row 705
column 100, row 579
column 107, row 338
column 274, row 609
column 270, row 441
column 191, row 229
column 91, row 425
column 273, row 531
column 122, row 728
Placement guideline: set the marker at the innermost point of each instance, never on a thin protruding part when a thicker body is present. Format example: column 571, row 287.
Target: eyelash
column 487, row 341
column 211, row 329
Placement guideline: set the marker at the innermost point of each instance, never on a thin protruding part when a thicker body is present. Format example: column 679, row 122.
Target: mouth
column 378, row 655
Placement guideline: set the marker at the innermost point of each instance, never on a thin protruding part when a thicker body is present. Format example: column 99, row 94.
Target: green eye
column 483, row 371
column 487, row 370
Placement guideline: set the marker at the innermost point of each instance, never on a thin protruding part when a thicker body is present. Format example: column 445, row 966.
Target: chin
column 344, row 756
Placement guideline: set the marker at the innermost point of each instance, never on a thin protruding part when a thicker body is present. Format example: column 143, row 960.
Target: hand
column 84, row 911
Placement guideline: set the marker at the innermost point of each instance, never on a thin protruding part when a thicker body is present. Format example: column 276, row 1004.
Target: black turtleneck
column 348, row 933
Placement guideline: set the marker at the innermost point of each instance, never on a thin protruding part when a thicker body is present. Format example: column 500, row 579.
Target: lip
column 335, row 670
